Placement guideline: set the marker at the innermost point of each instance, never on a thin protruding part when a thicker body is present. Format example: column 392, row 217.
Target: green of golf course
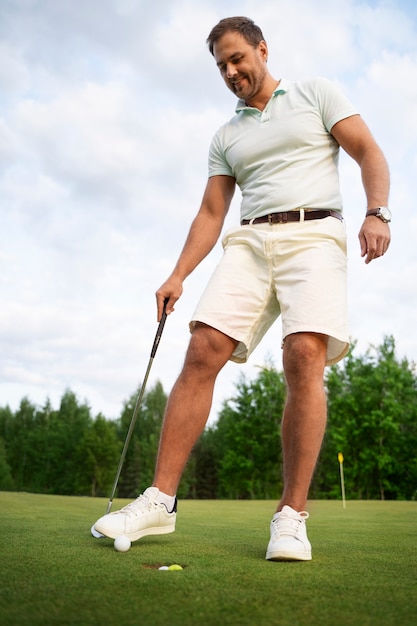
column 363, row 572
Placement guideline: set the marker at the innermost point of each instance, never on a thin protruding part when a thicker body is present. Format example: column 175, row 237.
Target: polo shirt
column 284, row 157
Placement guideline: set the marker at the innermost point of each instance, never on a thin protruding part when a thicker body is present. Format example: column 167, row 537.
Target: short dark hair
column 243, row 25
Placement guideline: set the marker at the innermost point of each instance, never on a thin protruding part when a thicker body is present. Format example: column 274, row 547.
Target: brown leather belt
column 293, row 216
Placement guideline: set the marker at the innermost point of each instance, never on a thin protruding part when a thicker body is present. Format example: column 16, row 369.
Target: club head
column 95, row 533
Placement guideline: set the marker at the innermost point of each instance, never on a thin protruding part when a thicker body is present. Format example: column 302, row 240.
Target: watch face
column 385, row 213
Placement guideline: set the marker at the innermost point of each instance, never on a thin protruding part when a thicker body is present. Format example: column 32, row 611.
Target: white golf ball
column 122, row 543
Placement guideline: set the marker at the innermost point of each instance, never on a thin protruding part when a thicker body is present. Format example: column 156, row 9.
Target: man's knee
column 209, row 349
column 305, row 354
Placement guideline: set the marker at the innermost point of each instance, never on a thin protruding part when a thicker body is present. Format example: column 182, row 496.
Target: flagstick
column 342, row 478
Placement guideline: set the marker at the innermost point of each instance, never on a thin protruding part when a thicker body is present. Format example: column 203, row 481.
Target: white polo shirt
column 284, row 157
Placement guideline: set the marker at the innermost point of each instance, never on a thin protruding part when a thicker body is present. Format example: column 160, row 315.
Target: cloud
column 14, row 76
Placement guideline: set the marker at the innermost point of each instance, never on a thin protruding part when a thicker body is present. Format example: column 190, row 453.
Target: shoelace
column 286, row 525
column 132, row 509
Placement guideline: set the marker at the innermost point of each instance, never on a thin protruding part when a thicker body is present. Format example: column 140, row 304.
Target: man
column 288, row 258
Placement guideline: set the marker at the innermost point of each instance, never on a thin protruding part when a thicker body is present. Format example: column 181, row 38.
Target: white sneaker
column 289, row 537
column 144, row 516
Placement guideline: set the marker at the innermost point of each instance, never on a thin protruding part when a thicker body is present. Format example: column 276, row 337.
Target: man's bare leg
column 305, row 414
column 185, row 417
column 189, row 404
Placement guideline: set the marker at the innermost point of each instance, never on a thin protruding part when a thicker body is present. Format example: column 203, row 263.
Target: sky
column 107, row 109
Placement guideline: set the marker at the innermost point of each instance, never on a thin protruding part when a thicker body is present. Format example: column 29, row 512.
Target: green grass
column 363, row 572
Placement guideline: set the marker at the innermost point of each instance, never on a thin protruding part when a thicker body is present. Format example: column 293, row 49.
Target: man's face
column 242, row 66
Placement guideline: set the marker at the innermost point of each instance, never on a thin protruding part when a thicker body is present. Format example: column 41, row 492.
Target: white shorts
column 297, row 270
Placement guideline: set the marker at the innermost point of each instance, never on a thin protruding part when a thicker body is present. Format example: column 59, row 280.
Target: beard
column 246, row 86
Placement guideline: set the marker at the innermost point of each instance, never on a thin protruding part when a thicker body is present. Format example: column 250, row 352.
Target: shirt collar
column 281, row 89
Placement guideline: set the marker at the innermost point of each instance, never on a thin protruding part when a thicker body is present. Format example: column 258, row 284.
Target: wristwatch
column 382, row 212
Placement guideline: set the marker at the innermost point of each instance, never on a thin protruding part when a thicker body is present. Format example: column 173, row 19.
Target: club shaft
column 137, row 406
column 129, row 435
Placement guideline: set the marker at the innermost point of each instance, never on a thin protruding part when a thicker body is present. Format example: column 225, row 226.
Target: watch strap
column 382, row 212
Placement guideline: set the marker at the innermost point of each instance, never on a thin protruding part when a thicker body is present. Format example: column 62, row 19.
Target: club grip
column 160, row 329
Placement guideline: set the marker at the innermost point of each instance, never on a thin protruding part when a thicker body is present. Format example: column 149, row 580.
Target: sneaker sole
column 157, row 530
column 288, row 556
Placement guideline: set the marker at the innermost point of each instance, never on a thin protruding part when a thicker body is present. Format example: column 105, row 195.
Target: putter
column 157, row 339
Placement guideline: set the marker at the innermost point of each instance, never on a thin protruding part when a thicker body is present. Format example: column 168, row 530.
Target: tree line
column 372, row 420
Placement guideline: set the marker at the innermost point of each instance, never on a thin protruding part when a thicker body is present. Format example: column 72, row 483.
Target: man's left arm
column 353, row 135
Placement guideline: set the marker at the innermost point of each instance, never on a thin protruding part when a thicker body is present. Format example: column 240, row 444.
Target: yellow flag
column 342, row 480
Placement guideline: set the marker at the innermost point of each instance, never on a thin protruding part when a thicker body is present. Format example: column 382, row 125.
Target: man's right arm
column 202, row 237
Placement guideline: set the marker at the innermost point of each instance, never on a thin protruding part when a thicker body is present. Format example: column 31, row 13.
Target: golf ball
column 122, row 543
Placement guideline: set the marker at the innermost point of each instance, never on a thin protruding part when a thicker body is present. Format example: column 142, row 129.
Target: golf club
column 158, row 335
